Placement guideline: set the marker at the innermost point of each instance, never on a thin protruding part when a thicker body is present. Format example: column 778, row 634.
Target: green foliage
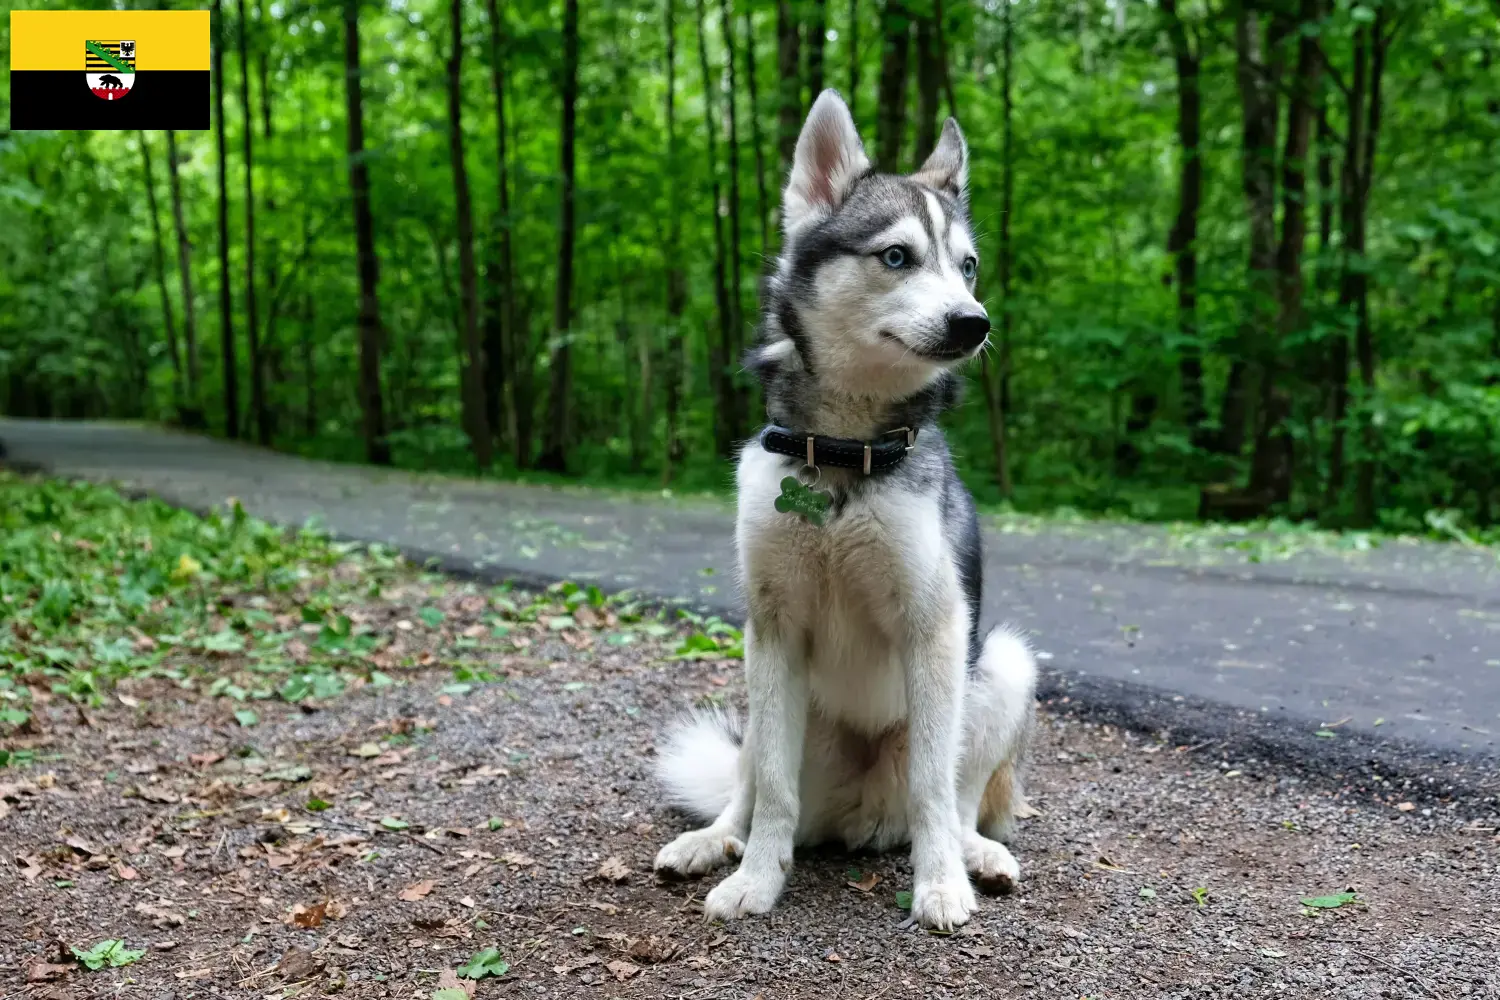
column 107, row 953
column 1094, row 334
column 484, row 963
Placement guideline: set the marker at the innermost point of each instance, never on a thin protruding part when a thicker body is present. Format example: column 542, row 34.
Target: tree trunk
column 372, row 404
column 252, row 319
column 735, row 347
column 929, row 82
column 1364, row 338
column 720, row 351
column 161, row 272
column 502, row 363
column 1258, row 73
column 226, row 303
column 554, row 457
column 1182, row 243
column 676, row 276
column 995, row 382
column 762, row 198
column 270, row 344
column 853, row 94
column 789, row 85
column 1272, row 464
column 471, row 351
column 817, row 38
column 190, row 412
column 890, row 116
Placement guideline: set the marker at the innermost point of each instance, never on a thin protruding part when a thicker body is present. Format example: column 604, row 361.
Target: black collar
column 883, row 454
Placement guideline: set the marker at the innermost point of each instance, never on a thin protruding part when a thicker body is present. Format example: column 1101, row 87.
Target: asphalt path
column 1261, row 640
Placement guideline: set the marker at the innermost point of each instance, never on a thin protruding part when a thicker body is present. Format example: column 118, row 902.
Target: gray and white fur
column 878, row 715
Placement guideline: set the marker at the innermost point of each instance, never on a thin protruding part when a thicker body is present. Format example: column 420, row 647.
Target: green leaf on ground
column 903, row 900
column 1326, row 734
column 484, row 963
column 1330, row 902
column 1200, row 895
column 450, row 993
column 109, row 953
column 496, row 823
column 392, row 823
column 290, row 774
column 1147, row 892
column 318, row 805
column 246, row 718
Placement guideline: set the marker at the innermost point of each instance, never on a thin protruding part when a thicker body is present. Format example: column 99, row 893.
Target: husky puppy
column 878, row 714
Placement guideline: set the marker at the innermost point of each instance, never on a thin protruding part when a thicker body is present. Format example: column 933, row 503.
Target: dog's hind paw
column 943, row 904
column 741, row 894
column 993, row 867
column 698, row 852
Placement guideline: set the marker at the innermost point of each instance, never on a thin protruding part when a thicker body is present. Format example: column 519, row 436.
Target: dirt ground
column 520, row 815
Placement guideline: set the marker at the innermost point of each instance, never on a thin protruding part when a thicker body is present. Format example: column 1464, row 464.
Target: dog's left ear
column 947, row 169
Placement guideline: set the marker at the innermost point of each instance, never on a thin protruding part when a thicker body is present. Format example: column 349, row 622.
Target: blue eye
column 971, row 267
column 893, row 257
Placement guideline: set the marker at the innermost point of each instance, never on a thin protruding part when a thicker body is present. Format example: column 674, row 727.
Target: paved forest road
column 1402, row 642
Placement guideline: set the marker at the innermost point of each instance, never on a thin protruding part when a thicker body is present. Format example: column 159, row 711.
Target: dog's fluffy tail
column 698, row 760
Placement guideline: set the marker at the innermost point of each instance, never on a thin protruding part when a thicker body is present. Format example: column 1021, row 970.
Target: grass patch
column 96, row 588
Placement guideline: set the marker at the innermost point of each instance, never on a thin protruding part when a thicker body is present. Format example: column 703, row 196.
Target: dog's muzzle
column 966, row 331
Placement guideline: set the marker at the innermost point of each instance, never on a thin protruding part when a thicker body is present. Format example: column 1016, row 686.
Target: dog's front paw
column 742, row 893
column 698, row 852
column 993, row 866
column 944, row 903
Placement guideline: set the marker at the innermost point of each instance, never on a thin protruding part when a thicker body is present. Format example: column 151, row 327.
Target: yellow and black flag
column 109, row 69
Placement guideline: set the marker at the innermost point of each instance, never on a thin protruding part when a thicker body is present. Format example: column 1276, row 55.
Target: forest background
column 1243, row 257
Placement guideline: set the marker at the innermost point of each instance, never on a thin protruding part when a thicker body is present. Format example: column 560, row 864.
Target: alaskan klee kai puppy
column 878, row 714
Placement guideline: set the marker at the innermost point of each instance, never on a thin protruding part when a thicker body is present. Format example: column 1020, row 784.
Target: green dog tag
column 802, row 500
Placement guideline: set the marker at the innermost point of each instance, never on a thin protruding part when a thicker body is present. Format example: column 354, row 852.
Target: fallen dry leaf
column 160, row 917
column 31, row 866
column 866, row 884
column 335, row 910
column 45, row 972
column 128, row 701
column 194, row 973
column 1405, row 807
column 307, row 917
column 205, row 759
column 127, row 873
column 298, row 964
column 80, row 845
column 412, row 893
column 448, row 980
column 156, row 793
column 517, row 860
column 614, row 869
column 622, row 970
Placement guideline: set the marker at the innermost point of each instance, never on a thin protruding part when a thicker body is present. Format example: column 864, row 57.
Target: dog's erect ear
column 947, row 169
column 829, row 159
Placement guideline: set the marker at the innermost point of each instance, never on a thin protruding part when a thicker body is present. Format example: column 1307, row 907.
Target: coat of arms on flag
column 110, row 68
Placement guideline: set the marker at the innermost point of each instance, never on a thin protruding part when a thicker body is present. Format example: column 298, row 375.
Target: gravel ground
column 530, row 823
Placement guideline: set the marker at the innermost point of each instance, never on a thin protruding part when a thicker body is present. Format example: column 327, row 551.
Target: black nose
column 968, row 329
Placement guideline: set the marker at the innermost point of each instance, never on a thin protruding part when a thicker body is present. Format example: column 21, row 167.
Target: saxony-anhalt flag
column 109, row 69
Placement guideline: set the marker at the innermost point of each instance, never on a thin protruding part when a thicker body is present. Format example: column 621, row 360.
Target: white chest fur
column 850, row 595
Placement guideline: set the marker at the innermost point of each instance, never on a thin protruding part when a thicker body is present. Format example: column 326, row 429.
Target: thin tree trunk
column 853, row 59
column 226, row 302
column 161, row 272
column 736, row 283
column 996, row 383
column 505, row 364
column 762, row 198
column 789, row 85
column 929, row 82
column 1364, row 338
column 555, row 450
column 270, row 344
column 190, row 412
column 817, row 39
column 1258, row 76
column 471, row 350
column 1182, row 243
column 719, row 351
column 1271, row 466
column 372, row 404
column 676, row 276
column 890, row 116
column 252, row 318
